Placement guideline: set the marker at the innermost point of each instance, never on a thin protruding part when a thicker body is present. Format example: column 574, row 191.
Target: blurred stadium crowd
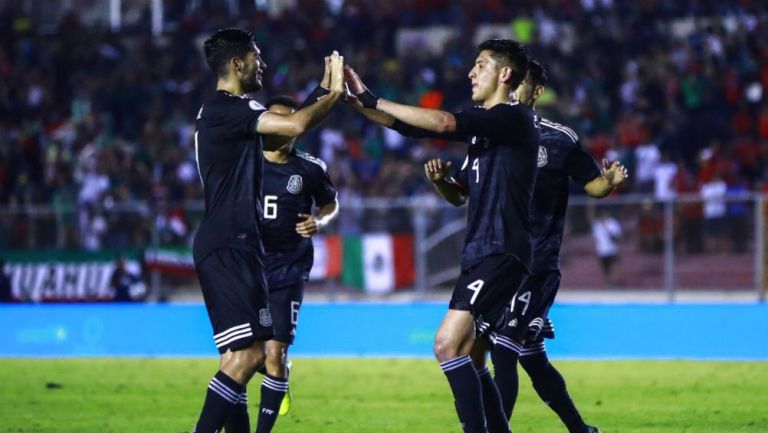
column 92, row 120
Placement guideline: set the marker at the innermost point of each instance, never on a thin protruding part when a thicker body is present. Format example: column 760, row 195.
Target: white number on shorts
column 270, row 207
column 295, row 312
column 476, row 167
column 524, row 297
column 475, row 287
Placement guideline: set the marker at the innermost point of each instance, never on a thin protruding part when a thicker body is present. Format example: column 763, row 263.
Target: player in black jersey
column 496, row 258
column 228, row 249
column 560, row 157
column 293, row 181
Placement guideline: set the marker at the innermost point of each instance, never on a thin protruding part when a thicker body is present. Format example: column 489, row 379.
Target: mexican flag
column 374, row 262
column 171, row 261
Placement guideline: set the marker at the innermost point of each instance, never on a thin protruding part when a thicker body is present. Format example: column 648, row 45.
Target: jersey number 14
column 476, row 167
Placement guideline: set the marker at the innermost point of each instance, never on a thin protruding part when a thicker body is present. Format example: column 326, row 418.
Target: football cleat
column 285, row 405
column 591, row 429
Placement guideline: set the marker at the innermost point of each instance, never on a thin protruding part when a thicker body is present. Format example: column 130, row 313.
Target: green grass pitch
column 377, row 396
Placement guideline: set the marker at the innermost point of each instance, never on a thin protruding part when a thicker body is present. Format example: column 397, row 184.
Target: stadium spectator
column 128, row 287
column 606, row 231
column 681, row 75
column 738, row 217
column 713, row 192
column 663, row 178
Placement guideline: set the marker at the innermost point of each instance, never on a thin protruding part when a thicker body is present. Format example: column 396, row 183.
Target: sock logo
column 268, row 411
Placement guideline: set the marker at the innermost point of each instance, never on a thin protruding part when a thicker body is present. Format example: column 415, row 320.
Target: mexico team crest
column 265, row 319
column 295, row 184
column 542, row 161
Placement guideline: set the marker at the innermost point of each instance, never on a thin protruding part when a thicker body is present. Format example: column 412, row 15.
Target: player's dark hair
column 284, row 100
column 537, row 73
column 509, row 53
column 224, row 45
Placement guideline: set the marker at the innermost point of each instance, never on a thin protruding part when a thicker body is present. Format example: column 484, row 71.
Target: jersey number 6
column 270, row 207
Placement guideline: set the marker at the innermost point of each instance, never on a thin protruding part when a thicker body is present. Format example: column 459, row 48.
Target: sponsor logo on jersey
column 265, row 319
column 295, row 184
column 542, row 160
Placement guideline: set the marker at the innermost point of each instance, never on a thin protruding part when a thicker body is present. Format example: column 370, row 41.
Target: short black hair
column 282, row 100
column 537, row 73
column 226, row 44
column 509, row 53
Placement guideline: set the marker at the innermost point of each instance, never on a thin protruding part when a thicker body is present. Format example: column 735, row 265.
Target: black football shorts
column 235, row 294
column 530, row 307
column 486, row 289
column 284, row 305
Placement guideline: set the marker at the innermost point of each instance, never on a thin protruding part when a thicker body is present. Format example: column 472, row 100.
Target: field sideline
column 123, row 395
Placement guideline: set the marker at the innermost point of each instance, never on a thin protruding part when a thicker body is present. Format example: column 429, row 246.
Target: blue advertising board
column 584, row 331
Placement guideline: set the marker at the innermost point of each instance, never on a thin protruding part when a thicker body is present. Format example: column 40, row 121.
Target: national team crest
column 542, row 161
column 295, row 184
column 265, row 319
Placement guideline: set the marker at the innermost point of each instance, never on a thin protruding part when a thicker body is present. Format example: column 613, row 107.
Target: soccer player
column 560, row 157
column 501, row 169
column 228, row 250
column 293, row 180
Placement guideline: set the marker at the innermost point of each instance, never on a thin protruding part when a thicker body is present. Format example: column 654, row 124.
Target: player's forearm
column 313, row 97
column 376, row 116
column 293, row 125
column 599, row 187
column 327, row 214
column 432, row 120
column 311, row 115
column 450, row 192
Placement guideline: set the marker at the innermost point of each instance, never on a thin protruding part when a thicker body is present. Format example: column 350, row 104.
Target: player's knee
column 245, row 362
column 445, row 348
column 275, row 362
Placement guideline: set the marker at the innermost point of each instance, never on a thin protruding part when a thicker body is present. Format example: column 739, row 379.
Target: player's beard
column 252, row 83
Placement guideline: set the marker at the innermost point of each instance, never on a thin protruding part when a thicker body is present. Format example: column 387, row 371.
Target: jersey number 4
column 475, row 287
column 270, row 207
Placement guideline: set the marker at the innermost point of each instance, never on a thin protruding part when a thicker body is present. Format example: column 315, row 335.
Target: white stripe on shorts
column 238, row 336
column 225, row 334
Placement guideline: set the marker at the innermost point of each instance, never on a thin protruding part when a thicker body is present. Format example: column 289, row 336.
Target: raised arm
column 295, row 124
column 611, row 176
column 356, row 88
column 431, row 120
column 322, row 89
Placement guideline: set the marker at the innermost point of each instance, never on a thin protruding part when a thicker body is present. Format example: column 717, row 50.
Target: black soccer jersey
column 560, row 157
column 498, row 175
column 288, row 190
column 229, row 161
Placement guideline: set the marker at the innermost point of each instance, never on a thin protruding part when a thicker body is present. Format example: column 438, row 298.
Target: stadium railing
column 381, row 246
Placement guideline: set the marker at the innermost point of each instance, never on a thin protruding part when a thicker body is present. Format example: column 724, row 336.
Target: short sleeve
column 580, row 166
column 324, row 192
column 247, row 116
